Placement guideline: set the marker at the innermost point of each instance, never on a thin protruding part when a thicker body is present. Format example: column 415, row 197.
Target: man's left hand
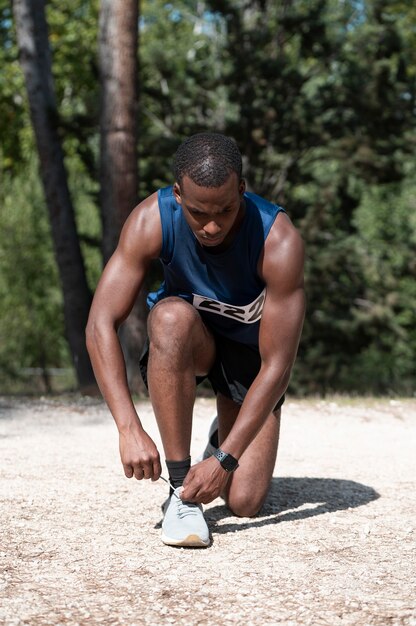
column 205, row 481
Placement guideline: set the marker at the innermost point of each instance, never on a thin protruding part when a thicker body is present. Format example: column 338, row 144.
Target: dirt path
column 334, row 545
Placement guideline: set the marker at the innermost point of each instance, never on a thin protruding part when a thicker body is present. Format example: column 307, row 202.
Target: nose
column 212, row 229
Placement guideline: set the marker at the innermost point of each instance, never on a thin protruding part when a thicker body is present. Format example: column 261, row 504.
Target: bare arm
column 282, row 270
column 281, row 325
column 140, row 242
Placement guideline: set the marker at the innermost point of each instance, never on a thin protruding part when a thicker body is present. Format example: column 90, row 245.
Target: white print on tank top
column 247, row 314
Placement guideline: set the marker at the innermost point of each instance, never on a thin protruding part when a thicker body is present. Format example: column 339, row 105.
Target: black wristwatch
column 227, row 461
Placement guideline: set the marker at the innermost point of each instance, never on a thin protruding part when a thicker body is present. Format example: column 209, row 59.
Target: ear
column 177, row 193
column 242, row 187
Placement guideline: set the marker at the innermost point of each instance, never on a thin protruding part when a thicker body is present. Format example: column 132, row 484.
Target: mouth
column 211, row 241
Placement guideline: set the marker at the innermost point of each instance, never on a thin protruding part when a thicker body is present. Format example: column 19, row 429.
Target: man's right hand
column 139, row 455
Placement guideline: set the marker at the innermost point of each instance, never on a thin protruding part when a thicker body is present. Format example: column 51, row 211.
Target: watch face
column 228, row 463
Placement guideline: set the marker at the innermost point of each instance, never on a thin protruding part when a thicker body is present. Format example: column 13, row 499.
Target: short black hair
column 208, row 159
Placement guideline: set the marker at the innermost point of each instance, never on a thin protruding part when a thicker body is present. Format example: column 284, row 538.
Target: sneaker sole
column 191, row 541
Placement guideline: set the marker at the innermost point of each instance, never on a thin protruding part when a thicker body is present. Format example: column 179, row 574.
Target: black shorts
column 235, row 368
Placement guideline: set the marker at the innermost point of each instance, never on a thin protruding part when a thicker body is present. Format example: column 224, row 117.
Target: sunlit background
column 320, row 97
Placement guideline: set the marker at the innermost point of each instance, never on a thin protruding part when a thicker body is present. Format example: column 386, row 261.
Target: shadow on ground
column 292, row 499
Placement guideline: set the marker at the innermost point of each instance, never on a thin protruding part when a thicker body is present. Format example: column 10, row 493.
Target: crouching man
column 231, row 308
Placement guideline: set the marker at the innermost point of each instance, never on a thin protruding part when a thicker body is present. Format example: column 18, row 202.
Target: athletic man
column 231, row 308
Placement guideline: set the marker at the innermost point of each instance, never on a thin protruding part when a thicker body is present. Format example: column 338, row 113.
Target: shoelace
column 187, row 508
column 184, row 508
column 170, row 484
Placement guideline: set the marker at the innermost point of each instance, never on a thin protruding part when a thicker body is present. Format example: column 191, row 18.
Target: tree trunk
column 118, row 59
column 35, row 59
column 118, row 40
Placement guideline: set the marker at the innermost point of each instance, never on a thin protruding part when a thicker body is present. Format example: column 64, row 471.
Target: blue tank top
column 224, row 287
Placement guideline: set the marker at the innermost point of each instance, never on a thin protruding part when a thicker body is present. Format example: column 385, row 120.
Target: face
column 213, row 214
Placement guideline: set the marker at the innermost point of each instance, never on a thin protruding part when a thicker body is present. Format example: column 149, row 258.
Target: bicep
column 281, row 327
column 124, row 274
column 117, row 289
column 284, row 307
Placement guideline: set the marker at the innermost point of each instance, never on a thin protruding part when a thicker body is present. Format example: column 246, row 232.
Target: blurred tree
column 32, row 324
column 325, row 98
column 386, row 221
column 13, row 113
column 320, row 96
column 118, row 43
column 182, row 91
column 32, row 36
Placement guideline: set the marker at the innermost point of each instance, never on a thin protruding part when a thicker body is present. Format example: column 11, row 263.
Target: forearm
column 110, row 371
column 263, row 395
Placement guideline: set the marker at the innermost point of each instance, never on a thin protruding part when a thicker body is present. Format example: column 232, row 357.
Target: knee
column 171, row 317
column 244, row 504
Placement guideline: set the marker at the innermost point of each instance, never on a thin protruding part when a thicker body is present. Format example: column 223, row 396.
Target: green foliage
column 32, row 333
column 180, row 83
column 15, row 132
column 73, row 41
column 386, row 221
column 32, row 330
column 320, row 95
column 325, row 97
column 84, row 191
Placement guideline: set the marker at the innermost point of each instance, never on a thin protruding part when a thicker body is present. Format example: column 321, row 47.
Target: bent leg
column 248, row 486
column 180, row 348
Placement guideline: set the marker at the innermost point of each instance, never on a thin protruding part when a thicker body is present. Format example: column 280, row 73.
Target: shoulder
column 142, row 231
column 283, row 254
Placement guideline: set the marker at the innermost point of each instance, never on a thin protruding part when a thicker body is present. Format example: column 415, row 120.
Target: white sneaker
column 184, row 523
column 210, row 448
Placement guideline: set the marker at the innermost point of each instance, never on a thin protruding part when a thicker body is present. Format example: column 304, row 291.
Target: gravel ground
column 334, row 544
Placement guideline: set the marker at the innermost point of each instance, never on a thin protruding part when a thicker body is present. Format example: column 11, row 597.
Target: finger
column 186, row 490
column 147, row 470
column 200, row 496
column 128, row 471
column 188, row 478
column 138, row 473
column 157, row 470
column 188, row 494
